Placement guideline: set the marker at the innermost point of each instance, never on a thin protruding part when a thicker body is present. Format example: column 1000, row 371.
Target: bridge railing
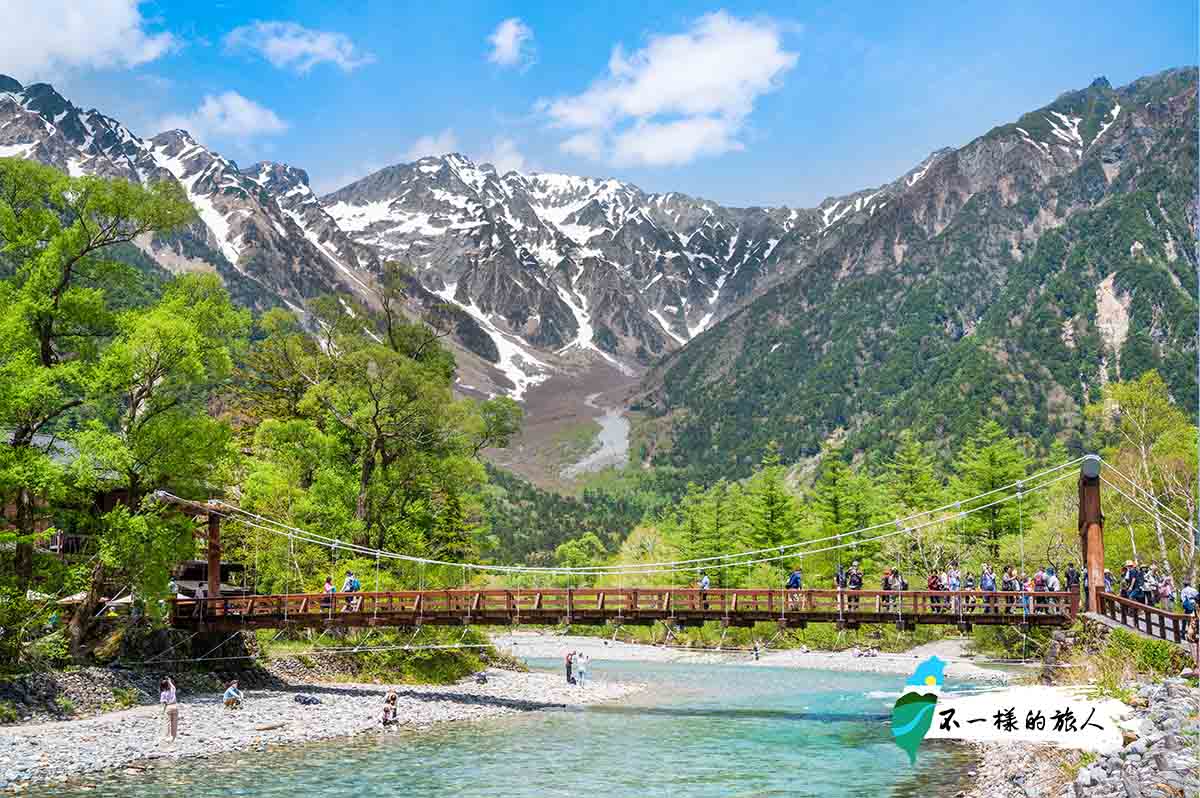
column 608, row 603
column 1170, row 626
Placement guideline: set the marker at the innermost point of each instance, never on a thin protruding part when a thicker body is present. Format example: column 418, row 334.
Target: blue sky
column 744, row 103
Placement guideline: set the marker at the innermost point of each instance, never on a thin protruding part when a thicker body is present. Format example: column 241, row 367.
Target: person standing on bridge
column 1072, row 576
column 987, row 583
column 1109, row 580
column 794, row 581
column 854, row 581
column 1188, row 597
column 704, row 590
column 1150, row 586
column 1166, row 589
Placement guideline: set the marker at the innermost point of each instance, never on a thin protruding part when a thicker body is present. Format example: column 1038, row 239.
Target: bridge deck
column 631, row 606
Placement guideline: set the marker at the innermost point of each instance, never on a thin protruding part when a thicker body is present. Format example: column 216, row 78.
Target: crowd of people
column 1151, row 585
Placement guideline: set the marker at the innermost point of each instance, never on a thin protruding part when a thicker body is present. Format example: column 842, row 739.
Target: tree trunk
column 23, row 561
column 361, row 509
column 85, row 613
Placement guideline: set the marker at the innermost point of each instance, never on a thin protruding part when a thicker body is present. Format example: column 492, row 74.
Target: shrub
column 125, row 697
column 8, row 713
column 65, row 705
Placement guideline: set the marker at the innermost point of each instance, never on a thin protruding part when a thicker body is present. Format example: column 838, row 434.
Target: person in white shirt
column 170, row 709
column 582, row 661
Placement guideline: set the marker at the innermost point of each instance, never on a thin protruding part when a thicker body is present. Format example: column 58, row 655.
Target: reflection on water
column 701, row 730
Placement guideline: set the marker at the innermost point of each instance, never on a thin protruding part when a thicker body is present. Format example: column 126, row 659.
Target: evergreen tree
column 912, row 477
column 770, row 510
column 988, row 461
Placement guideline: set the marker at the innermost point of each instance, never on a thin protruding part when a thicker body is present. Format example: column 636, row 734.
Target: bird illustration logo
column 912, row 714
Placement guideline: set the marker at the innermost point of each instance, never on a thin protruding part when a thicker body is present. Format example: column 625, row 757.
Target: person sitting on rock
column 233, row 696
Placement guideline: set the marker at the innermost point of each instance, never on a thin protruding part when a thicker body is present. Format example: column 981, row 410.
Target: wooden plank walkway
column 626, row 606
column 1151, row 622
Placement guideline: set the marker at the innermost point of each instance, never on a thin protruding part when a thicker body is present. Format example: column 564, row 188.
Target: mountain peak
column 1100, row 83
column 10, row 84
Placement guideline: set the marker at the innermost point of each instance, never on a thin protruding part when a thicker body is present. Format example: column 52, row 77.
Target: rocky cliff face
column 1010, row 277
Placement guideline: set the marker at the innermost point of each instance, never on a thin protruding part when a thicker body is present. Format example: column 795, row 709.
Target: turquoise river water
column 699, row 731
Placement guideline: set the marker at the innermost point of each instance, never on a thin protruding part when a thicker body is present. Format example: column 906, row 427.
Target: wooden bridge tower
column 1091, row 529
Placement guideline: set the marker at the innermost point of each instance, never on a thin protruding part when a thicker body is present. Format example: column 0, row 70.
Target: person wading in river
column 170, row 709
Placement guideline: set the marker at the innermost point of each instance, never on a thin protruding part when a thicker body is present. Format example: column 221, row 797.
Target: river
column 613, row 441
column 699, row 731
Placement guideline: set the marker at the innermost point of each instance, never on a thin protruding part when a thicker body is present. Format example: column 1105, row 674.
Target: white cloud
column 682, row 96
column 41, row 39
column 228, row 114
column 289, row 45
column 677, row 142
column 504, row 156
column 512, row 44
column 437, row 144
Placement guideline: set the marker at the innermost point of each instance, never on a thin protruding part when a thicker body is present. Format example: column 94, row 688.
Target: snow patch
column 521, row 368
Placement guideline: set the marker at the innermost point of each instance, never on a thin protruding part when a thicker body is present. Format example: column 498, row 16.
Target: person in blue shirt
column 794, row 582
column 233, row 696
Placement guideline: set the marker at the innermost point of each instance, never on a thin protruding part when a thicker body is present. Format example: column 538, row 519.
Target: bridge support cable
column 1187, row 525
column 1170, row 524
column 631, row 568
column 293, row 534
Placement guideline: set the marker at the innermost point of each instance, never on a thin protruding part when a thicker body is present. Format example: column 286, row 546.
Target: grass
column 388, row 657
column 8, row 713
column 65, row 705
column 1121, row 658
column 575, row 441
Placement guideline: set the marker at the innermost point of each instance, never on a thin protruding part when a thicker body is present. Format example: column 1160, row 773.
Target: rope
column 321, row 541
column 1140, row 505
column 316, row 538
column 1166, row 508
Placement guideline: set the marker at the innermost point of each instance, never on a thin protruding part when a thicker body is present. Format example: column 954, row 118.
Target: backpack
column 1039, row 582
column 355, row 585
column 903, row 583
column 1164, row 589
column 855, row 580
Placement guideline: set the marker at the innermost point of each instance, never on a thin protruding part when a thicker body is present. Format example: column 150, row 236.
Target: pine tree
column 912, row 475
column 770, row 511
column 988, row 461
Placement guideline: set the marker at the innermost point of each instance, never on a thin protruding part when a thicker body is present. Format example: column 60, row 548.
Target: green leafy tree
column 912, row 477
column 55, row 312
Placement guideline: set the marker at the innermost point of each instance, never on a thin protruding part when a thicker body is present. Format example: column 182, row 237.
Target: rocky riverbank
column 1161, row 757
column 131, row 739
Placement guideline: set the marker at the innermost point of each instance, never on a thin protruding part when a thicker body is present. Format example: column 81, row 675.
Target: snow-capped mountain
column 249, row 232
column 536, row 273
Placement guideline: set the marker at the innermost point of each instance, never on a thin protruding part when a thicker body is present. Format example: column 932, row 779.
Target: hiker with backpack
column 793, row 585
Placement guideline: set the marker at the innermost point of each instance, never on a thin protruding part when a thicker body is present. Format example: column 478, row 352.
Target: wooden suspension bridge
column 628, row 606
column 689, row 607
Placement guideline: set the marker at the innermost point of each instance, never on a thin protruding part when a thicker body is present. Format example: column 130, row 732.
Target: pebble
column 65, row 750
column 1158, row 761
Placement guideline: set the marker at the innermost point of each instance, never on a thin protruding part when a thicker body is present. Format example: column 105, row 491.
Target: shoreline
column 542, row 645
column 43, row 753
column 131, row 739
